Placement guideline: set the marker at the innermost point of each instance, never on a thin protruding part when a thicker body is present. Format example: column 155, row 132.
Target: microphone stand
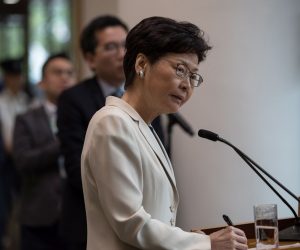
column 291, row 233
column 172, row 120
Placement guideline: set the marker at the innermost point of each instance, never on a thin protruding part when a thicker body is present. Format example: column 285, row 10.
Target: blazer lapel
column 40, row 125
column 158, row 150
column 149, row 136
column 44, row 119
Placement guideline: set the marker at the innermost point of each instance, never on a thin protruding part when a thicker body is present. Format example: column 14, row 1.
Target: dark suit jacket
column 76, row 106
column 2, row 155
column 36, row 151
column 3, row 204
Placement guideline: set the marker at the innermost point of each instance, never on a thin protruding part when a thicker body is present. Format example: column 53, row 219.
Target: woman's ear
column 140, row 63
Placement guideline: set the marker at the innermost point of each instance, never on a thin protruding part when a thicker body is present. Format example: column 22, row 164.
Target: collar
column 107, row 89
column 50, row 107
column 118, row 102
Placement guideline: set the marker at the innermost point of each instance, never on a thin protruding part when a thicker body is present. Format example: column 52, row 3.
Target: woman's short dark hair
column 88, row 39
column 157, row 36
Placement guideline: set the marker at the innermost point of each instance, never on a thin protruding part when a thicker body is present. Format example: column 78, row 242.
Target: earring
column 141, row 74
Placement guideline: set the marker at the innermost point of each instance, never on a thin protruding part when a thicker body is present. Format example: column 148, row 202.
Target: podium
column 288, row 245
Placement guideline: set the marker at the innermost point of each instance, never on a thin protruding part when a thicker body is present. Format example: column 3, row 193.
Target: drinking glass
column 266, row 226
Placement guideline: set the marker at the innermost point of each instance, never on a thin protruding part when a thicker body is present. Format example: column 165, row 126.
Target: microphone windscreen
column 208, row 135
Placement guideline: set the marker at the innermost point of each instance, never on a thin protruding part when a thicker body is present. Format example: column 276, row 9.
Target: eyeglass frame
column 189, row 74
column 112, row 47
column 60, row 72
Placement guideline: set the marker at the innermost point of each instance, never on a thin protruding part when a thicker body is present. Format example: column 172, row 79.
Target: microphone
column 176, row 118
column 208, row 135
column 289, row 234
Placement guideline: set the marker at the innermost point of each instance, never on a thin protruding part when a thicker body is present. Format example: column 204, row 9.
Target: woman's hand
column 229, row 238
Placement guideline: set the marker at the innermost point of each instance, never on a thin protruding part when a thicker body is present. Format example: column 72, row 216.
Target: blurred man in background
column 102, row 44
column 37, row 156
column 3, row 207
column 13, row 101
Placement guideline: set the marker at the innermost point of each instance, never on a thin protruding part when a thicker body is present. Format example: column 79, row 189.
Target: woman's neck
column 136, row 100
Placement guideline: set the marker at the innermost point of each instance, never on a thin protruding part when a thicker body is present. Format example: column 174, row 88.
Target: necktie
column 118, row 93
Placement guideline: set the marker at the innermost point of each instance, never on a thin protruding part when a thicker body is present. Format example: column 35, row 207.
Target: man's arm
column 71, row 132
column 2, row 157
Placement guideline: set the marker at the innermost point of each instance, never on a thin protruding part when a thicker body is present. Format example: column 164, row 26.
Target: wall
column 250, row 96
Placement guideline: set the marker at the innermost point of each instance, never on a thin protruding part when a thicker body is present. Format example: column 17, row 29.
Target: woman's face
column 165, row 90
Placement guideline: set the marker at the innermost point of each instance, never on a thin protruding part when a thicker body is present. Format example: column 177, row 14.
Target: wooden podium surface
column 282, row 245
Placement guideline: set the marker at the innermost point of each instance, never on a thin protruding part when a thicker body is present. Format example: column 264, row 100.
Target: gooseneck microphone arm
column 254, row 166
column 250, row 163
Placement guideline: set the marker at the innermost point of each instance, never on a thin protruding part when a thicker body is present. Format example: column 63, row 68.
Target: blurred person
column 1, row 85
column 102, row 43
column 37, row 156
column 130, row 191
column 13, row 101
column 3, row 207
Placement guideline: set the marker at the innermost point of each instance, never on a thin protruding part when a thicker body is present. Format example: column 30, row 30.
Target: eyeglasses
column 113, row 47
column 183, row 72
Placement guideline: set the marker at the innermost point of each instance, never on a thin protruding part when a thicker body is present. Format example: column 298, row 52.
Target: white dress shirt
column 10, row 106
column 51, row 110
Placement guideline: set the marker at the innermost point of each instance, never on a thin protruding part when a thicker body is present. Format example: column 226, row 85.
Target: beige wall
column 250, row 95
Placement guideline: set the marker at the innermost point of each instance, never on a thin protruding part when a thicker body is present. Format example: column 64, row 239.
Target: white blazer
column 129, row 186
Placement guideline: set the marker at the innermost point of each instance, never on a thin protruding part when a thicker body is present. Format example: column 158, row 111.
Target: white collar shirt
column 10, row 106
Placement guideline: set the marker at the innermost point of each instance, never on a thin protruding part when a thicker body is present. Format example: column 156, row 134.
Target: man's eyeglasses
column 113, row 47
column 183, row 72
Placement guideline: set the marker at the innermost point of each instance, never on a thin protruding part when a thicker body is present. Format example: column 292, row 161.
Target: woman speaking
column 129, row 186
